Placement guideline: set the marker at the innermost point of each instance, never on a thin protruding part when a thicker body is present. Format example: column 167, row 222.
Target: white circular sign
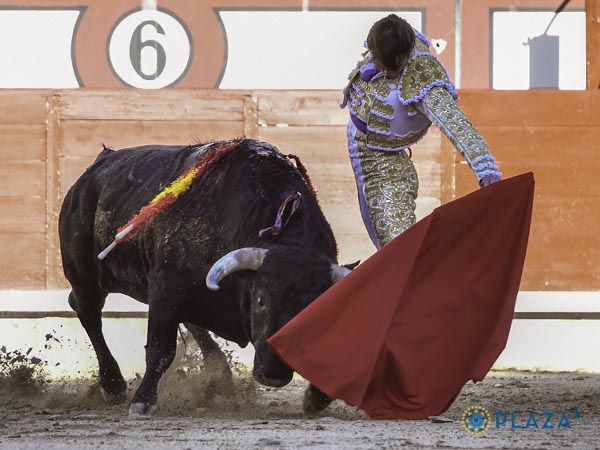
column 149, row 49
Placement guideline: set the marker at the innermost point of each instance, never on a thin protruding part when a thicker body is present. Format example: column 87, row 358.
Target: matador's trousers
column 387, row 185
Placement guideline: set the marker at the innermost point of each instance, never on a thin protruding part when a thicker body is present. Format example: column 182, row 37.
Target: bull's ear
column 247, row 258
column 351, row 266
column 338, row 272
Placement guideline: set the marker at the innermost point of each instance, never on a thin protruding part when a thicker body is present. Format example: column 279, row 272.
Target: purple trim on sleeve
column 486, row 173
column 486, row 165
column 483, row 158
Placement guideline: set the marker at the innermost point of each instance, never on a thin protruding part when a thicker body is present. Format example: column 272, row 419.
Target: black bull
column 264, row 281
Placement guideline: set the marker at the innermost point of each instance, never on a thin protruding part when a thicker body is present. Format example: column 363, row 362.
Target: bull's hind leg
column 211, row 352
column 215, row 361
column 88, row 306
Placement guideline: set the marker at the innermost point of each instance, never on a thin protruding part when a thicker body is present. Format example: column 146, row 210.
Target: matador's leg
column 387, row 185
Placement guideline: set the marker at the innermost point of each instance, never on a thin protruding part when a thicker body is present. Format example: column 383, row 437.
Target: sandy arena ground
column 53, row 414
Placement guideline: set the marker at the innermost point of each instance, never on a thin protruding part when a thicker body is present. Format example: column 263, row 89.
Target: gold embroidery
column 370, row 106
column 421, row 73
column 391, row 187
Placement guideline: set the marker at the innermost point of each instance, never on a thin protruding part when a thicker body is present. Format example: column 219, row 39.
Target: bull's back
column 121, row 182
column 224, row 208
column 112, row 189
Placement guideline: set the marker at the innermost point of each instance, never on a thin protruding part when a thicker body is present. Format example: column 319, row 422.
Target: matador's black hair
column 390, row 41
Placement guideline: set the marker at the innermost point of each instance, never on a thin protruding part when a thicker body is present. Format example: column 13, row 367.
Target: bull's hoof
column 315, row 401
column 113, row 398
column 142, row 410
column 113, row 389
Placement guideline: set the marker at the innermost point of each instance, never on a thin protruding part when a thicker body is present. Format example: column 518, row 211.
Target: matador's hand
column 489, row 179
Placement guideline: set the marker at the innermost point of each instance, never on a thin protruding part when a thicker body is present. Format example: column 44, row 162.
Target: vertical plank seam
column 52, row 188
column 250, row 116
column 592, row 39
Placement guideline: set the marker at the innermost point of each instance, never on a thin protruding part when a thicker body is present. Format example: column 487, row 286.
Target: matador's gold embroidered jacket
column 395, row 113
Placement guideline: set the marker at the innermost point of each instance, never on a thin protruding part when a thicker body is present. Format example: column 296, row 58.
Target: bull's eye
column 259, row 301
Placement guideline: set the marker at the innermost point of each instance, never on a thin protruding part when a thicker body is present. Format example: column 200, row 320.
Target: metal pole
column 150, row 4
column 592, row 13
column 457, row 40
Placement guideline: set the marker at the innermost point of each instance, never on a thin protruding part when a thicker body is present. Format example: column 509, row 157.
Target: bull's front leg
column 161, row 345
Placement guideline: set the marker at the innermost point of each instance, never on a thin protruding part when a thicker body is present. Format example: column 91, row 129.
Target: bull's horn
column 338, row 272
column 247, row 258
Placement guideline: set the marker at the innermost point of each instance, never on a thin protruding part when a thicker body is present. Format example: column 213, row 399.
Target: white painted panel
column 555, row 345
column 35, row 48
column 512, row 31
column 296, row 49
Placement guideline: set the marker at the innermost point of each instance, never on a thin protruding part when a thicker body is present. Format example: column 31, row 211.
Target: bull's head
column 286, row 281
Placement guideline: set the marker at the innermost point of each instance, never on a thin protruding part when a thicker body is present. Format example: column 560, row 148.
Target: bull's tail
column 105, row 151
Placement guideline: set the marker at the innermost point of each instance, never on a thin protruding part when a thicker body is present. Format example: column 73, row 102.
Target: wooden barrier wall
column 23, row 189
column 555, row 134
column 48, row 138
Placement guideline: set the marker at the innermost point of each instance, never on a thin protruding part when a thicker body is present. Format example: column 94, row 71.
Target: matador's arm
column 440, row 107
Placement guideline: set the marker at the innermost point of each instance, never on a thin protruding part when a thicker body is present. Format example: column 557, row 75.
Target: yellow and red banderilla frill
column 167, row 197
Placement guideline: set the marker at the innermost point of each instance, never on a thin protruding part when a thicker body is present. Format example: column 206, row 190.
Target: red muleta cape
column 401, row 335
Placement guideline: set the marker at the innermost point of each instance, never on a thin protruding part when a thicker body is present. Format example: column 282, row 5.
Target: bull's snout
column 271, row 382
column 269, row 370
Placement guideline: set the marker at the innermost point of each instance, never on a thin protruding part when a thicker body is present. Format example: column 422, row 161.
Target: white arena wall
column 539, row 338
